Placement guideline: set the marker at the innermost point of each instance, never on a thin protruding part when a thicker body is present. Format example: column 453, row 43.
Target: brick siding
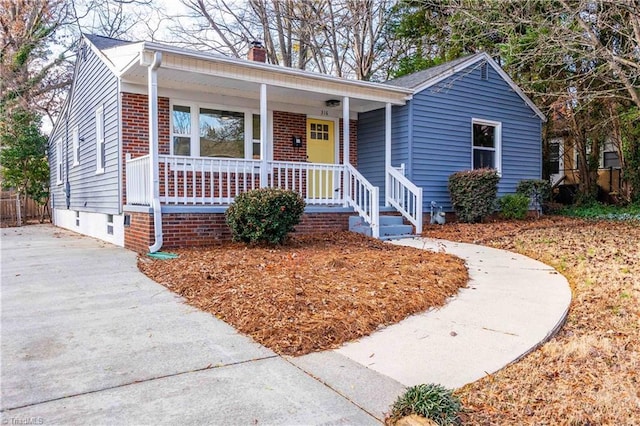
column 209, row 229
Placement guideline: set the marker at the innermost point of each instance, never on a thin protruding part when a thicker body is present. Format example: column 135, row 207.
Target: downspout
column 153, row 151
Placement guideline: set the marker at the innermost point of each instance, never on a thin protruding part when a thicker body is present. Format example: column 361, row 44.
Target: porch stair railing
column 364, row 198
column 405, row 196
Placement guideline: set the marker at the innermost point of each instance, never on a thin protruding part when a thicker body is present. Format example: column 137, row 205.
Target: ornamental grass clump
column 432, row 401
column 474, row 193
column 264, row 215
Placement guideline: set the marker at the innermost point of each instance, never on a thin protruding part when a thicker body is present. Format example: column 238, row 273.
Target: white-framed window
column 110, row 224
column 59, row 163
column 75, row 137
column 100, row 142
column 213, row 131
column 486, row 144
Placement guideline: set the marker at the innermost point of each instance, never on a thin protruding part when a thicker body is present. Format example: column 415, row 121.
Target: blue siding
column 371, row 134
column 94, row 85
column 441, row 134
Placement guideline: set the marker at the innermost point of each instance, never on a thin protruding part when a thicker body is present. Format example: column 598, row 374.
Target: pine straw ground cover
column 589, row 373
column 314, row 292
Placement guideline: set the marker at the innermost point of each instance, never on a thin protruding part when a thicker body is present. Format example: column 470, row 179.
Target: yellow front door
column 320, row 149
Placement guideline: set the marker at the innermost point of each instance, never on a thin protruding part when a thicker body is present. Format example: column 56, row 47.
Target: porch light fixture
column 332, row 103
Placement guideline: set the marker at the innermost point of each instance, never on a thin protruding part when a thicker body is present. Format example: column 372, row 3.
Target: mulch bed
column 313, row 293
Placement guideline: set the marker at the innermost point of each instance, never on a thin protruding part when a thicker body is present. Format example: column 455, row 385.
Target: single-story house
column 155, row 141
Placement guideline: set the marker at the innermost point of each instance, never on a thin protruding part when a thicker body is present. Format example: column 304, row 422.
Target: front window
column 611, row 160
column 486, row 145
column 214, row 132
column 554, row 158
column 221, row 133
column 181, row 130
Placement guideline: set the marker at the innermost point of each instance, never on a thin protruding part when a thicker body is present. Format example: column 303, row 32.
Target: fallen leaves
column 588, row 373
column 315, row 292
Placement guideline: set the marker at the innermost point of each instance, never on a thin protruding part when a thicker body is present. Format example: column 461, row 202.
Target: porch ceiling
column 239, row 78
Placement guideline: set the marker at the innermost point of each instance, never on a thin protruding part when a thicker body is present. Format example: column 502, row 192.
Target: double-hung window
column 59, row 164
column 486, row 144
column 198, row 130
column 76, row 146
column 100, row 142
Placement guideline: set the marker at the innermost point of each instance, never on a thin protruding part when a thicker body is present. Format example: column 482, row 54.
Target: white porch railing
column 205, row 181
column 317, row 183
column 138, row 184
column 364, row 198
column 406, row 197
column 217, row 181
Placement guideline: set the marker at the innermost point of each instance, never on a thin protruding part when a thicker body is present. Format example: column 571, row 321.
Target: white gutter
column 153, row 151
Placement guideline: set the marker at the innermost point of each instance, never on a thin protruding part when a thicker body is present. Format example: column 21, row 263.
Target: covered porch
column 162, row 177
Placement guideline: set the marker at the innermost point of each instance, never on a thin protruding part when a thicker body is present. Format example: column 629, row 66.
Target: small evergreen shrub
column 473, row 193
column 432, row 401
column 264, row 215
column 514, row 206
column 538, row 190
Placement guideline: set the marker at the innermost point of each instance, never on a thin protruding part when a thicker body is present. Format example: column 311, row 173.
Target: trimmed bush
column 538, row 190
column 264, row 215
column 514, row 206
column 432, row 401
column 473, row 193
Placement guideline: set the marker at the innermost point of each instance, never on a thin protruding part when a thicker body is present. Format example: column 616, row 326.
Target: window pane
column 611, row 159
column 221, row 133
column 181, row 145
column 554, row 158
column 483, row 159
column 483, row 135
column 256, row 137
column 181, row 120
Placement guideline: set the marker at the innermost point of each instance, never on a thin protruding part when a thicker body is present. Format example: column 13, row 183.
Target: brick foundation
column 209, row 229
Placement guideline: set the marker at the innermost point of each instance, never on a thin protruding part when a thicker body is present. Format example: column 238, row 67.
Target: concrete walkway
column 86, row 338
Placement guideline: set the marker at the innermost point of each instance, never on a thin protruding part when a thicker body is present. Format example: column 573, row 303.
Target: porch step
column 391, row 227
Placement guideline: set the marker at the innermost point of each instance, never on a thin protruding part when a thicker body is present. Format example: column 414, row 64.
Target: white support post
column 264, row 134
column 346, row 140
column 387, row 153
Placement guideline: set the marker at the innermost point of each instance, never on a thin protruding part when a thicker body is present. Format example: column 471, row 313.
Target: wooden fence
column 12, row 207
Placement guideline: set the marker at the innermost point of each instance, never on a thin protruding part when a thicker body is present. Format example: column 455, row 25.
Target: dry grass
column 314, row 293
column 589, row 374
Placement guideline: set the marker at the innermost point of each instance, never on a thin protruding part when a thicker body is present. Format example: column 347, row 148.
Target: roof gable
column 424, row 79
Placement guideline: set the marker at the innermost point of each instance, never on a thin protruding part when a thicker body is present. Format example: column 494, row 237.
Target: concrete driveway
column 87, row 339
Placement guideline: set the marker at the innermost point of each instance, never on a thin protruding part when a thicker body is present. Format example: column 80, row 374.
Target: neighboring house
column 154, row 142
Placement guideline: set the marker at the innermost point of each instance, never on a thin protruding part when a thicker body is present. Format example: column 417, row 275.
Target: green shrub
column 514, row 206
column 264, row 215
column 538, row 190
column 473, row 193
column 432, row 401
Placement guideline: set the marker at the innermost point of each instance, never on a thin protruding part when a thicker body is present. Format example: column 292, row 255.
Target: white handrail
column 406, row 197
column 317, row 183
column 364, row 198
column 206, row 181
column 137, row 178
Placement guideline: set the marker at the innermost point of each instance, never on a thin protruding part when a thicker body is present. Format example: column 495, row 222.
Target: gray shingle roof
column 103, row 43
column 411, row 81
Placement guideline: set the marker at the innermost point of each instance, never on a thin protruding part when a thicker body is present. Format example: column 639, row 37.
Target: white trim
column 473, row 60
column 75, row 138
column 497, row 135
column 100, row 140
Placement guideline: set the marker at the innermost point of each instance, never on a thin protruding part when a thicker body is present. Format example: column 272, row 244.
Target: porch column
column 264, row 134
column 387, row 152
column 345, row 130
column 346, row 180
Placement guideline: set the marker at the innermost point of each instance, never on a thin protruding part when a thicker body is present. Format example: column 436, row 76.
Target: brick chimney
column 257, row 52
